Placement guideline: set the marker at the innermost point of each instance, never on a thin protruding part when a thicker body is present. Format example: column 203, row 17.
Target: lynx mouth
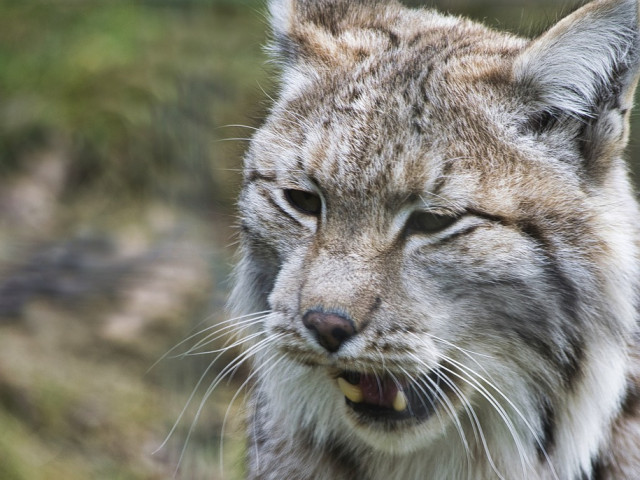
column 391, row 398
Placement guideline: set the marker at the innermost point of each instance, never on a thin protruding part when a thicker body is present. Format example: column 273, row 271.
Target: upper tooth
column 400, row 402
column 352, row 392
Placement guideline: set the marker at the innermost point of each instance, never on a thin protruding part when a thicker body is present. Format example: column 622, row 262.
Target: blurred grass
column 117, row 185
column 116, row 197
column 135, row 87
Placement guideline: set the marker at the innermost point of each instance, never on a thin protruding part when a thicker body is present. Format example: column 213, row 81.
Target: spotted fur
column 525, row 304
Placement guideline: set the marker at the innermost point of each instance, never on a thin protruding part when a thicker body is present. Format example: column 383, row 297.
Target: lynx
column 440, row 264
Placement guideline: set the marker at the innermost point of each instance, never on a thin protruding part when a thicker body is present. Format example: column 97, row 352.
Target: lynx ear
column 588, row 59
column 579, row 79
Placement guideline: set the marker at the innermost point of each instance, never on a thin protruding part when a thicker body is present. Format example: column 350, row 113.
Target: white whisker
column 503, row 415
column 445, row 402
column 268, row 367
column 216, row 381
column 526, row 422
column 200, row 332
column 228, row 330
column 225, row 348
column 427, row 396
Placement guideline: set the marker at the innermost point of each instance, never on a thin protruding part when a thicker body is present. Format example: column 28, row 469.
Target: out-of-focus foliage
column 116, row 192
column 136, row 87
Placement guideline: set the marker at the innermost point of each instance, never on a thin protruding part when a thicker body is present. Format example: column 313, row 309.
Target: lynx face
column 437, row 218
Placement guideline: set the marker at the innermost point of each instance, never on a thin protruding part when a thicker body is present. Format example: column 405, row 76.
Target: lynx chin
column 439, row 267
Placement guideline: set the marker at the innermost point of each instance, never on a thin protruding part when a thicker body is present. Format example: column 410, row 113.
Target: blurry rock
column 67, row 273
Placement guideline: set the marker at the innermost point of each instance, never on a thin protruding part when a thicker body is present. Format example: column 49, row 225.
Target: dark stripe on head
column 300, row 164
column 394, row 40
column 253, row 175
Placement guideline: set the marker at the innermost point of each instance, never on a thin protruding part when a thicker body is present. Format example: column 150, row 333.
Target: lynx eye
column 427, row 222
column 305, row 202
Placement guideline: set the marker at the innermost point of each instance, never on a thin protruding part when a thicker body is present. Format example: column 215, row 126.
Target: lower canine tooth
column 352, row 392
column 400, row 402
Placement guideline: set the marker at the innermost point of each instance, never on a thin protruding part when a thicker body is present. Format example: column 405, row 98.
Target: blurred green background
column 118, row 173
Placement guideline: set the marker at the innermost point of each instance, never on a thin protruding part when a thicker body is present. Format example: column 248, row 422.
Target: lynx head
column 439, row 222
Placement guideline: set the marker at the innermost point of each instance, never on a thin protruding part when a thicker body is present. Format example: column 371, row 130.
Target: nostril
column 331, row 329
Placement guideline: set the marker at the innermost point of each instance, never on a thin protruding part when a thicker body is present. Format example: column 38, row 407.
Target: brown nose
column 330, row 329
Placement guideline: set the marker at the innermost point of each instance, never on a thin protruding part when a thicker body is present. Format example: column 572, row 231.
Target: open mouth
column 387, row 397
